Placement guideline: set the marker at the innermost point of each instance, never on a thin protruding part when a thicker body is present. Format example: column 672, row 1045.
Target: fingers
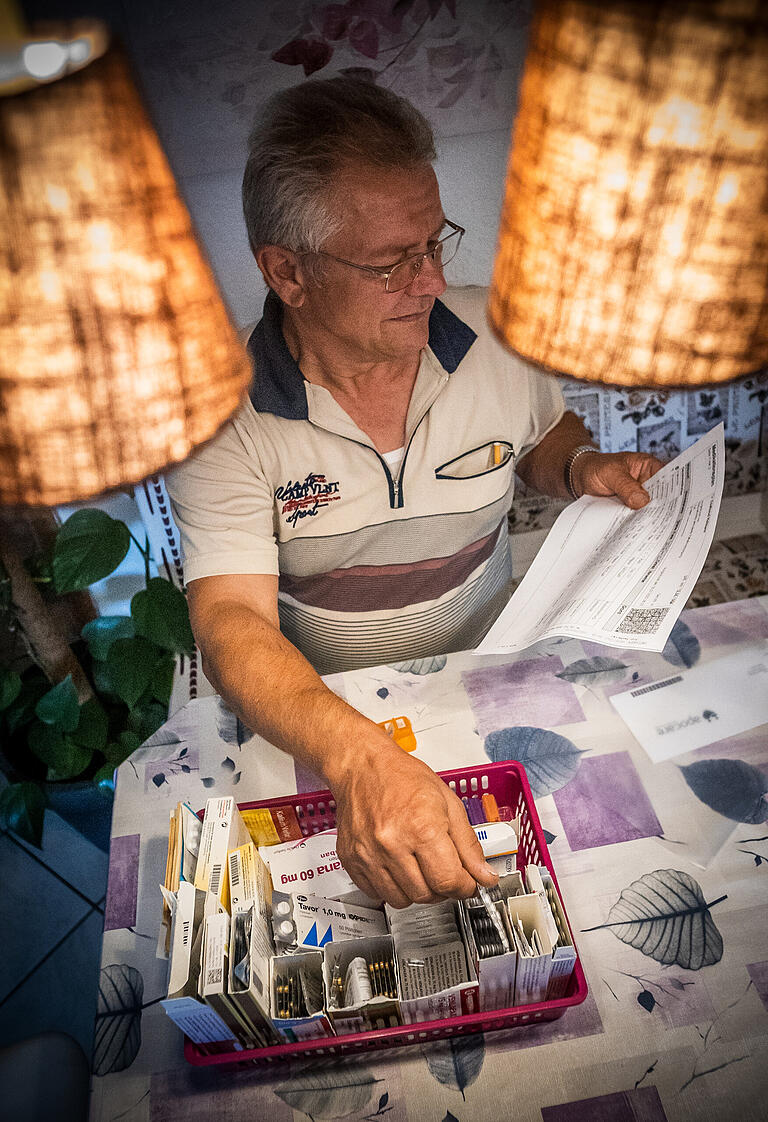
column 648, row 467
column 444, row 871
column 364, row 884
column 631, row 493
column 468, row 847
column 390, row 892
column 617, row 477
column 619, row 473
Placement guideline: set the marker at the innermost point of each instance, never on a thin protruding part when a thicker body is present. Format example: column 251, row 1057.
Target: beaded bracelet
column 570, row 460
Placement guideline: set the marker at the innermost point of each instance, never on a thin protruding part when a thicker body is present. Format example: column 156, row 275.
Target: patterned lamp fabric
column 633, row 246
column 117, row 355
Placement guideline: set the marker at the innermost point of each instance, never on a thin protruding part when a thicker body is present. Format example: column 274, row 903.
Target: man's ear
column 282, row 271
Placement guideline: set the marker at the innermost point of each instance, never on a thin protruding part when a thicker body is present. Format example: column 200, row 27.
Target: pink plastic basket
column 508, row 783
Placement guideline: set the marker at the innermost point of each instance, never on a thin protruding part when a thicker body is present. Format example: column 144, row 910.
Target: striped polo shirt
column 374, row 566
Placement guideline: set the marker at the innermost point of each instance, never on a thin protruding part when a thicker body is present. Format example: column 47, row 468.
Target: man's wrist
column 573, row 457
column 358, row 753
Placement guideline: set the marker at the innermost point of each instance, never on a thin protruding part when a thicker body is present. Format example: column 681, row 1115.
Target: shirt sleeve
column 535, row 397
column 223, row 507
column 546, row 404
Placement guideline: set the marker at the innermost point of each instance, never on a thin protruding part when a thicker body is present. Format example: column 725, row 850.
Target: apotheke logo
column 694, row 719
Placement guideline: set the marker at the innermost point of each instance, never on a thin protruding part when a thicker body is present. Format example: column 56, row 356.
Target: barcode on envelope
column 655, row 686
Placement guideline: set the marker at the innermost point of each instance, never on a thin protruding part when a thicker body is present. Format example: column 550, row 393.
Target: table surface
column 651, row 1042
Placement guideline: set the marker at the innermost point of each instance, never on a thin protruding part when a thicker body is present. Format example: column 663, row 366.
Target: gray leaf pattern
column 337, row 1093
column 664, row 915
column 682, row 647
column 229, row 727
column 593, row 671
column 456, row 1062
column 733, row 788
column 429, row 665
column 117, row 1036
column 550, row 760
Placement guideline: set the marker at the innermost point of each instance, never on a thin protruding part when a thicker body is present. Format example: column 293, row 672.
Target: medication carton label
column 313, row 921
column 311, row 864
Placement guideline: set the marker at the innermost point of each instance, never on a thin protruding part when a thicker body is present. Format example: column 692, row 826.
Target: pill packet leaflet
column 617, row 576
column 438, row 981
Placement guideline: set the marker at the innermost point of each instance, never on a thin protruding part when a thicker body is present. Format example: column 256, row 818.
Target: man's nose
column 429, row 281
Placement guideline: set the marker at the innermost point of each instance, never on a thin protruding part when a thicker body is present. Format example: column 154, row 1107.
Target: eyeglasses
column 403, row 273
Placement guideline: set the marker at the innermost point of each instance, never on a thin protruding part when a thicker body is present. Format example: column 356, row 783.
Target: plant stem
column 145, row 553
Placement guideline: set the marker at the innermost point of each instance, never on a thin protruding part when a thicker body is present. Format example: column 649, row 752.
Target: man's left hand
column 619, row 474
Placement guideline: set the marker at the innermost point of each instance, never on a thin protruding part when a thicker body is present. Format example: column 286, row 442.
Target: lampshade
column 633, row 245
column 117, row 355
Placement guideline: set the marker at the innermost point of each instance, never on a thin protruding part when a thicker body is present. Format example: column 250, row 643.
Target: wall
column 205, row 68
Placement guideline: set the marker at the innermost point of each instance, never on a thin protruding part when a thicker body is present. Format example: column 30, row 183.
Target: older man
column 354, row 511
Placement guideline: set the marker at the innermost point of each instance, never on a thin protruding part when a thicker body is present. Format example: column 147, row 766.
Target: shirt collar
column 278, row 385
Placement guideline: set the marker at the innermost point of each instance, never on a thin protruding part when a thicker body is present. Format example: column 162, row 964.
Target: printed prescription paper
column 617, row 576
column 693, row 708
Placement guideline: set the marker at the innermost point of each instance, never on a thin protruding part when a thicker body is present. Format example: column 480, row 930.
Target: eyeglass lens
column 404, row 273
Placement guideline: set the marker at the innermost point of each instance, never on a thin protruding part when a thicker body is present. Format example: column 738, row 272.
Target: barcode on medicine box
column 215, row 881
column 234, row 872
column 656, row 686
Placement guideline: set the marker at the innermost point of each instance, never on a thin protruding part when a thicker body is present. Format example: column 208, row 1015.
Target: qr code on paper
column 641, row 621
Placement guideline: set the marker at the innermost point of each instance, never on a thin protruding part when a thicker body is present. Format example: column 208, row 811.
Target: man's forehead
column 387, row 211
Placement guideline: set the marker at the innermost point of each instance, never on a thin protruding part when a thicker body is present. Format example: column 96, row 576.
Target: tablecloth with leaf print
column 663, row 867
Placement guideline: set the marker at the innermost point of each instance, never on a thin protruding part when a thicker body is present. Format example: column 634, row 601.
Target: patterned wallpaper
column 665, row 422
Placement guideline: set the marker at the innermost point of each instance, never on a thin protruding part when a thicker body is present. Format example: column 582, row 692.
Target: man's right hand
column 403, row 835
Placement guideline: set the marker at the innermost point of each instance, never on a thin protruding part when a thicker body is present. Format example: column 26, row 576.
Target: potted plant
column 66, row 724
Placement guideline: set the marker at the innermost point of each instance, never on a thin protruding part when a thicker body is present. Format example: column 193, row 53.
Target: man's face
column 388, row 215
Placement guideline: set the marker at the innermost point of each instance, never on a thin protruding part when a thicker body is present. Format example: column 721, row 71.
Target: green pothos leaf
column 10, row 687
column 60, row 706
column 22, row 810
column 89, row 546
column 64, row 758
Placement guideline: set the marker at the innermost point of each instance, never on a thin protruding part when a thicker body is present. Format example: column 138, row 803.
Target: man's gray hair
column 304, row 136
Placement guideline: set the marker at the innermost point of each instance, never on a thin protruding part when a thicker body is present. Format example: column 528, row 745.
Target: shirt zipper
column 396, row 501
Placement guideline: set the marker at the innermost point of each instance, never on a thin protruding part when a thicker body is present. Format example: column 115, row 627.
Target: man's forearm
column 278, row 694
column 543, row 467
